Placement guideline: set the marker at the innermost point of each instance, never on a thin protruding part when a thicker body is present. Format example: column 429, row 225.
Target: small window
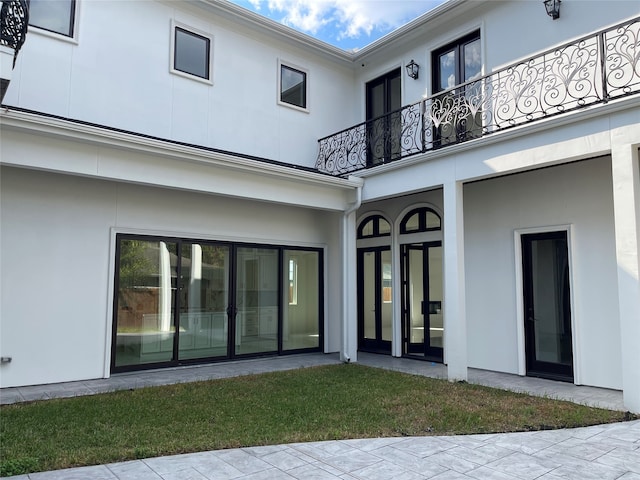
column 374, row 226
column 57, row 16
column 420, row 220
column 293, row 87
column 191, row 53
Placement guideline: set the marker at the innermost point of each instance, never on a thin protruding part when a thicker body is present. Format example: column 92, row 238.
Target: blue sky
column 347, row 24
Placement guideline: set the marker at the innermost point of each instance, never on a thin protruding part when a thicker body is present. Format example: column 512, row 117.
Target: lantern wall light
column 413, row 69
column 553, row 8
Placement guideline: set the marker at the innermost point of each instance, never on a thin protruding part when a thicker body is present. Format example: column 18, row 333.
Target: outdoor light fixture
column 553, row 8
column 412, row 69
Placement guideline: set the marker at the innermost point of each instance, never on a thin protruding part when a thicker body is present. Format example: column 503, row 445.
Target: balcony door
column 454, row 64
column 383, row 127
column 547, row 306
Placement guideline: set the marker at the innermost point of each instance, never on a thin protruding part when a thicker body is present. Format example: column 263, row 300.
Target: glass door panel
column 434, row 312
column 548, row 337
column 301, row 312
column 204, row 297
column 383, row 96
column 415, row 298
column 369, row 295
column 386, row 296
column 145, row 299
column 423, row 318
column 375, row 301
column 256, row 294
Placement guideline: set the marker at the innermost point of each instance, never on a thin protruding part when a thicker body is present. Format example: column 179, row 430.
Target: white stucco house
column 187, row 181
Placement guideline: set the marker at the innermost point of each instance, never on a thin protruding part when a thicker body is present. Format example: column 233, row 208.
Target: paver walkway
column 600, row 452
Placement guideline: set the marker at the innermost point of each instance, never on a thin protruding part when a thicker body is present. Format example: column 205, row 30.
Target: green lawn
column 320, row 403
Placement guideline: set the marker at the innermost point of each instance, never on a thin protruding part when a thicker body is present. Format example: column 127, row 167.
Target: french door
column 180, row 300
column 375, row 313
column 383, row 127
column 547, row 306
column 423, row 327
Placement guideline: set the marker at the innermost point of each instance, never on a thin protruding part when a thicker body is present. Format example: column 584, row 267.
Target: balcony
column 595, row 69
column 14, row 18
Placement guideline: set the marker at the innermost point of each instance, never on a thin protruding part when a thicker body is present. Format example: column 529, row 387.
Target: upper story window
column 374, row 226
column 457, row 62
column 292, row 87
column 57, row 16
column 191, row 53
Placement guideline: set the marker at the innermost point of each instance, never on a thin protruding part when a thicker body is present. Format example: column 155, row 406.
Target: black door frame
column 535, row 367
column 377, row 345
column 231, row 299
column 424, row 351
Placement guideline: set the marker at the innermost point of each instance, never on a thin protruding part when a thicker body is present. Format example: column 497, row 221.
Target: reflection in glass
column 369, row 294
column 416, row 292
column 387, row 305
column 257, row 300
column 293, row 86
column 204, row 297
column 56, row 16
column 145, row 299
column 300, row 319
column 191, row 53
column 552, row 321
column 436, row 326
column 384, row 227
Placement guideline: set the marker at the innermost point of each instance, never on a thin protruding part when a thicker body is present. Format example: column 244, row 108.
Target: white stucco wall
column 116, row 73
column 56, row 236
column 579, row 195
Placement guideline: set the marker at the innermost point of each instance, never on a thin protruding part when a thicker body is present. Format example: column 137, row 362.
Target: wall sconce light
column 412, row 69
column 553, row 8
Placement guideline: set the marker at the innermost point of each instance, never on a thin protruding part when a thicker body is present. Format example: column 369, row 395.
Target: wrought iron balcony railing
column 14, row 20
column 594, row 69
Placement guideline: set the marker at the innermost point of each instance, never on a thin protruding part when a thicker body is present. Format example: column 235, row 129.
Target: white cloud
column 349, row 18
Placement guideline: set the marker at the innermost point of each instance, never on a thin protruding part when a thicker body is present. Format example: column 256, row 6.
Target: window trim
column 172, row 52
column 292, row 66
column 73, row 23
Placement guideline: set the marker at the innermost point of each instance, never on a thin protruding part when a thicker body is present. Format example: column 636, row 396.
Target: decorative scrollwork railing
column 594, row 69
column 14, row 20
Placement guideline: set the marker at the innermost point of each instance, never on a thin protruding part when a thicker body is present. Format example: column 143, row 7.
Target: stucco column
column 626, row 211
column 455, row 321
column 349, row 350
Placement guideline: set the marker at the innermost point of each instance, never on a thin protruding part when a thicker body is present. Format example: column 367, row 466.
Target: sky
column 347, row 24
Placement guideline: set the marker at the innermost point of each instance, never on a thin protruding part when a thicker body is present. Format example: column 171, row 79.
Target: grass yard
column 320, row 403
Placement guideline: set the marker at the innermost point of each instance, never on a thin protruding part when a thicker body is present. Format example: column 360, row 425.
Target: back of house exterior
column 188, row 182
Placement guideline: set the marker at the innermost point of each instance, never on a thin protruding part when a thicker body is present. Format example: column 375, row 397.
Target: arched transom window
column 374, row 226
column 422, row 219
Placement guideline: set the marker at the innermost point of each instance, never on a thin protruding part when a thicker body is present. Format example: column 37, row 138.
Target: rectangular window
column 293, row 87
column 191, row 53
column 56, row 16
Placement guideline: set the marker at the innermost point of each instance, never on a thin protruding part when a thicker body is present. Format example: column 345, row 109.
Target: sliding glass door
column 204, row 300
column 256, row 300
column 178, row 301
